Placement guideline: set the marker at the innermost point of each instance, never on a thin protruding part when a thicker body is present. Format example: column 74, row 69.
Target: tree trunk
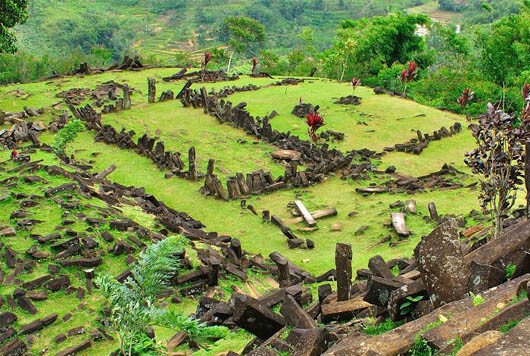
column 230, row 62
column 527, row 177
column 343, row 72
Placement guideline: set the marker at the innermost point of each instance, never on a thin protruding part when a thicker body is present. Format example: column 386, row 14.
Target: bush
column 66, row 135
column 441, row 88
column 389, row 78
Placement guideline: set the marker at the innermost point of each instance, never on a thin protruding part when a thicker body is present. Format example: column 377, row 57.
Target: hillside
column 329, row 182
column 164, row 28
column 362, row 219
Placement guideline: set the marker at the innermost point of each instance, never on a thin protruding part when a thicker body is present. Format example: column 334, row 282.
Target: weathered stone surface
column 7, row 318
column 514, row 342
column 82, row 262
column 479, row 342
column 76, row 331
column 509, row 248
column 468, row 322
column 343, row 258
column 27, row 305
column 53, row 191
column 177, row 339
column 295, row 243
column 379, row 290
column 400, row 295
column 255, row 317
column 75, row 349
column 378, row 267
column 36, row 283
column 14, row 347
column 50, row 319
column 287, row 155
column 294, row 315
column 31, row 327
column 396, row 341
column 59, row 283
column 311, row 343
column 7, row 231
column 441, row 263
column 60, row 338
column 482, row 277
column 344, row 310
column 398, row 222
column 7, row 333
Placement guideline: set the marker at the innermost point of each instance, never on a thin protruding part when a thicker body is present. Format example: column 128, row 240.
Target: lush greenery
column 133, row 303
column 11, row 13
column 491, row 59
column 480, row 11
column 381, row 328
column 133, row 307
column 66, row 135
column 61, row 34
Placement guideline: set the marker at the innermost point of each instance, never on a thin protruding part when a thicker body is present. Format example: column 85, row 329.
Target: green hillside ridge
column 163, row 28
column 179, row 134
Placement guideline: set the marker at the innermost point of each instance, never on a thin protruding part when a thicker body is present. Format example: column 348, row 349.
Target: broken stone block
column 256, row 317
column 441, row 263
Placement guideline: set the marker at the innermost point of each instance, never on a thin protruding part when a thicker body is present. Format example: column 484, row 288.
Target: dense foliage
column 11, row 13
column 61, row 34
column 133, row 303
column 499, row 159
column 66, row 135
column 294, row 38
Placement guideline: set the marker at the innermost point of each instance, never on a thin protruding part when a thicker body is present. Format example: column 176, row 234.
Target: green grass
column 229, row 218
column 432, row 10
column 381, row 328
column 380, row 121
column 508, row 326
column 393, row 119
column 60, row 302
column 181, row 128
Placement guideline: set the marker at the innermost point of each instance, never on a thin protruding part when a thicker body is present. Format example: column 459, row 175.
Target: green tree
column 12, row 12
column 366, row 46
column 133, row 303
column 505, row 48
column 243, row 34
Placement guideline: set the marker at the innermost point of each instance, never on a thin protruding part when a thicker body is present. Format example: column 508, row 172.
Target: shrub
column 66, row 135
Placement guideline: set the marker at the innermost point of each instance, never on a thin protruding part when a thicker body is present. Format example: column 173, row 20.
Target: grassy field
column 388, row 120
column 380, row 121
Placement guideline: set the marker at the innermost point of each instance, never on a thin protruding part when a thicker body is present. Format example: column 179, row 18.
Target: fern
column 132, row 303
column 157, row 265
column 195, row 330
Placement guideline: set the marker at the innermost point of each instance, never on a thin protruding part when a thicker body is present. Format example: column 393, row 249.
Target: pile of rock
column 417, row 146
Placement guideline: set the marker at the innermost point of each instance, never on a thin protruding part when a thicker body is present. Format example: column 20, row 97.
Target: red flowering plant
column 355, row 82
column 314, row 122
column 207, row 58
column 466, row 97
column 408, row 75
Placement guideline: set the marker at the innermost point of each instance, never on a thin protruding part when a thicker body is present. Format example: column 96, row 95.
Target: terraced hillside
column 164, row 29
column 365, row 176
